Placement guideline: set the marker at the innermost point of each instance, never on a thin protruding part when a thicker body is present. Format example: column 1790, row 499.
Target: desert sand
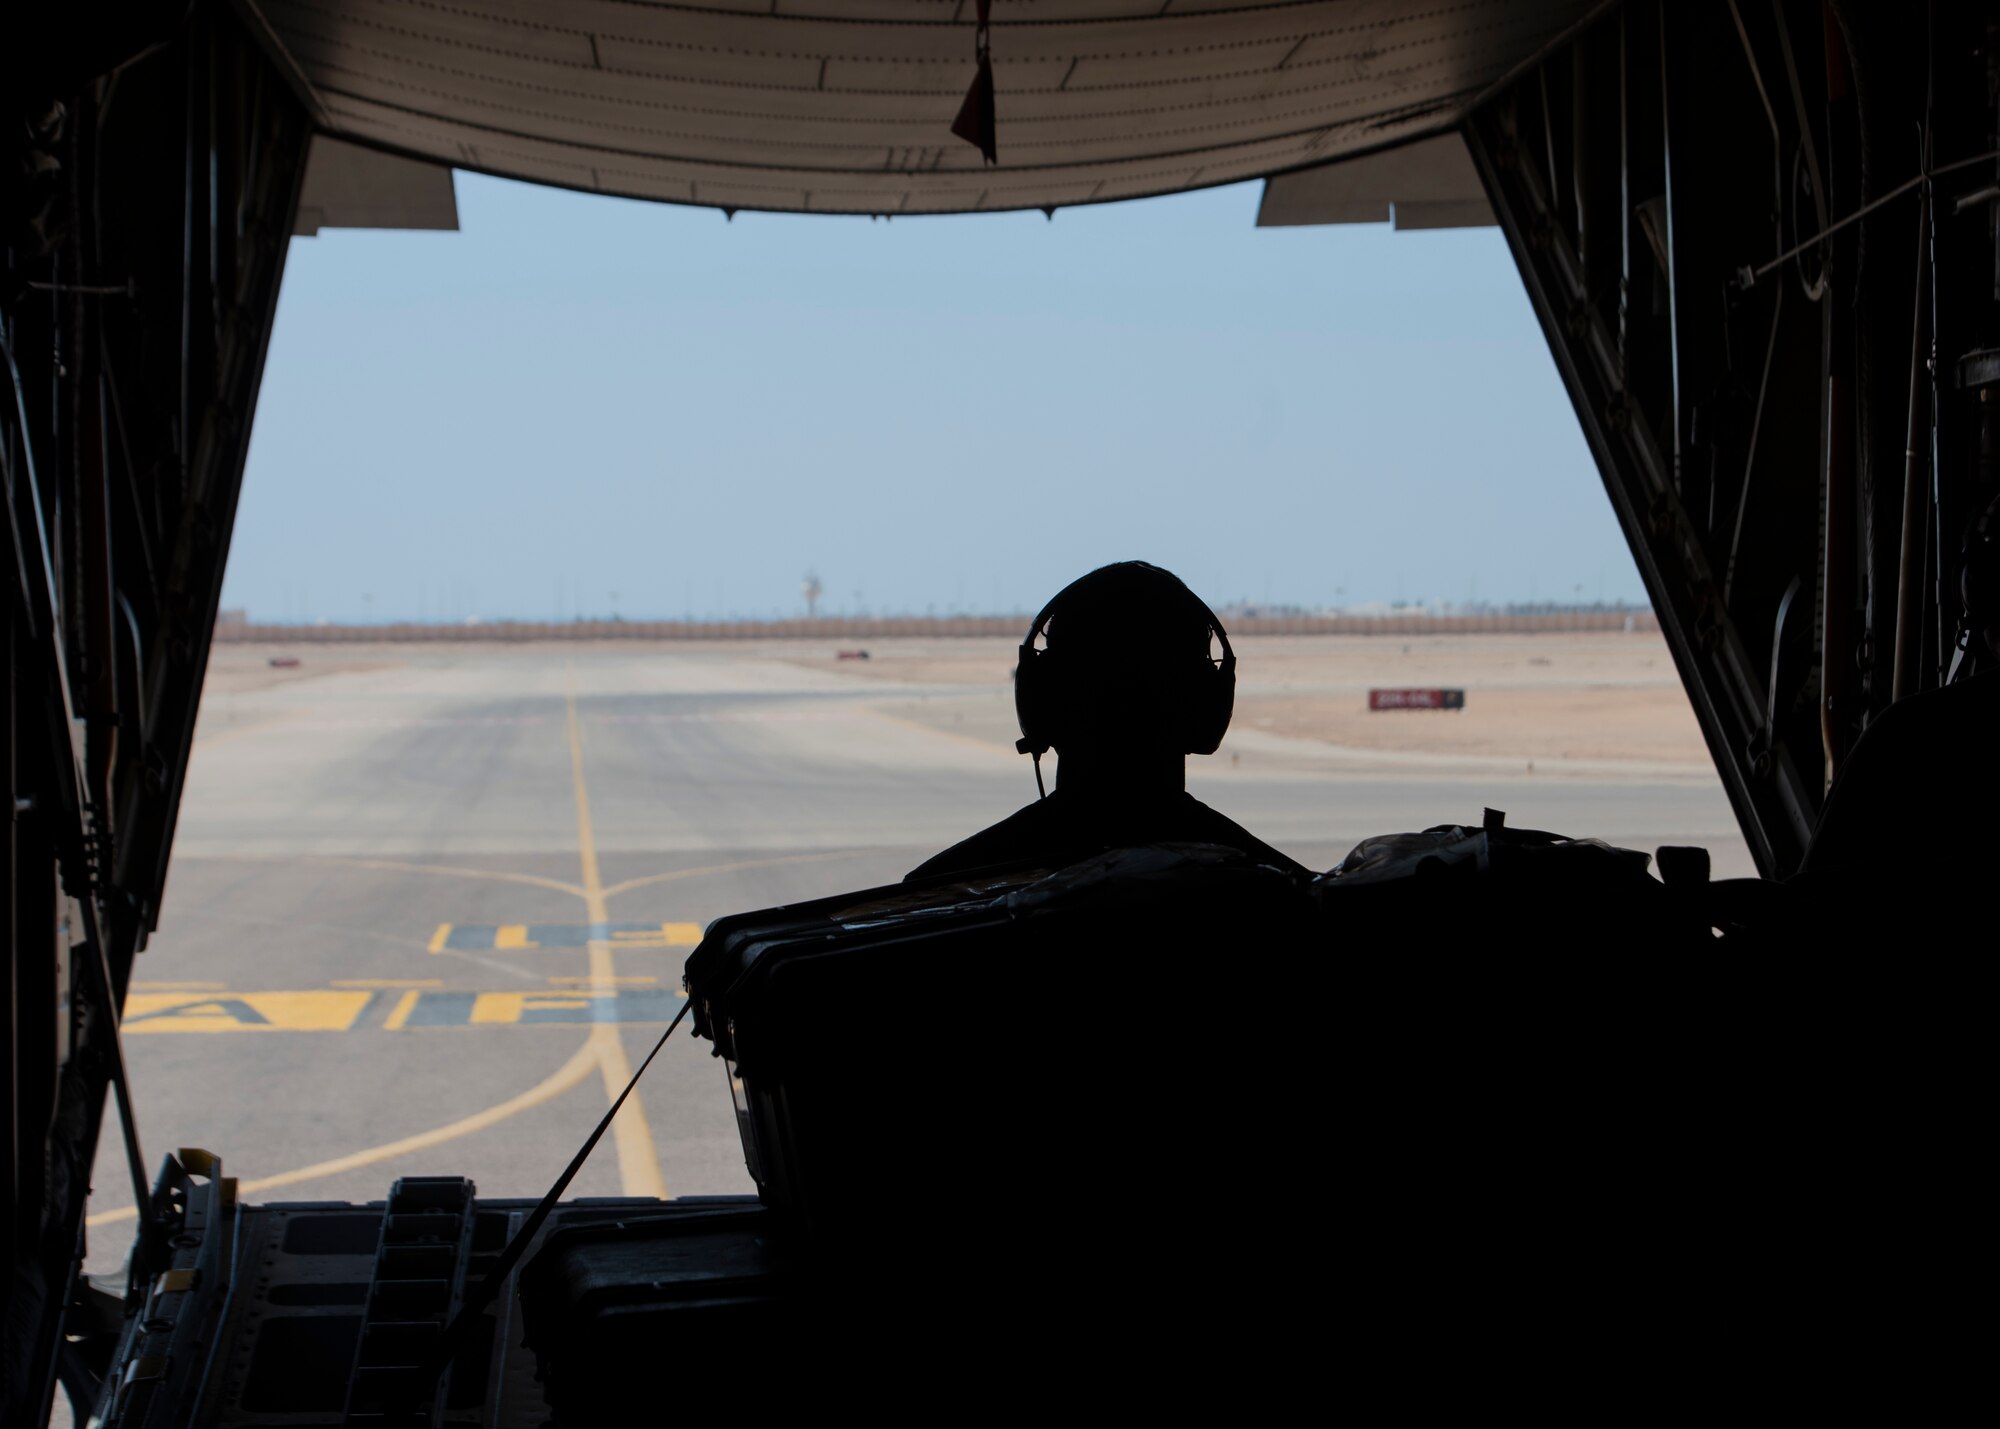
column 1569, row 704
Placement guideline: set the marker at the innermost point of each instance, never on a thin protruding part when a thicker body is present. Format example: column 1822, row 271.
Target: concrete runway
column 423, row 918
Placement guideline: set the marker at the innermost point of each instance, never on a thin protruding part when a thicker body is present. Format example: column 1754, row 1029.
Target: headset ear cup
column 1225, row 703
column 1214, row 702
column 1031, row 701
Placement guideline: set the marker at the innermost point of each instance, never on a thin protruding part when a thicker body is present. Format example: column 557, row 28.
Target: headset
column 1203, row 707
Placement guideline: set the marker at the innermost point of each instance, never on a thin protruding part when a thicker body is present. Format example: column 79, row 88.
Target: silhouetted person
column 1922, row 786
column 1124, row 691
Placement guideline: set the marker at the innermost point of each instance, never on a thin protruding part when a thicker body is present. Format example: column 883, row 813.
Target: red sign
column 1416, row 699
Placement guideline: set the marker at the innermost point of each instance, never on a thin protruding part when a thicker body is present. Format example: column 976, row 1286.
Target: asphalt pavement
column 423, row 918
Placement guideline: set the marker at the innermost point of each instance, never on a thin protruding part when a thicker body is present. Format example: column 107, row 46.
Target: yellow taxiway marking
column 508, row 1009
column 177, row 987
column 570, row 1074
column 674, row 874
column 681, row 935
column 415, row 1005
column 328, row 1011
column 512, row 935
column 638, row 1156
column 532, row 880
column 438, row 938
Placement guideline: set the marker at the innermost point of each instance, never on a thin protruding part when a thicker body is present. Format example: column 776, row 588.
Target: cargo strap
column 476, row 1301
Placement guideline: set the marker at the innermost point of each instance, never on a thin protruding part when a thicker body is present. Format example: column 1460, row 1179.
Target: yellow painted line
column 570, row 1074
column 177, row 987
column 638, row 1156
column 532, row 880
column 674, row 874
column 512, row 936
column 147, row 1012
column 400, row 1014
column 507, row 1008
column 586, row 837
column 386, row 982
column 620, row 981
column 681, row 935
column 438, row 938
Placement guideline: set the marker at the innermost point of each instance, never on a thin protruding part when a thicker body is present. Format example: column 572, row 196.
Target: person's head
column 1127, row 671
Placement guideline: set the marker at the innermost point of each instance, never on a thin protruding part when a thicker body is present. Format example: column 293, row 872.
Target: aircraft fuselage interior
column 1536, row 1121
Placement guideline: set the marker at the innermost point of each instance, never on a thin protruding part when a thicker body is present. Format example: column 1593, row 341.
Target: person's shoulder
column 1974, row 701
column 1918, row 759
column 1970, row 697
column 1015, row 837
column 1943, row 725
column 1213, row 826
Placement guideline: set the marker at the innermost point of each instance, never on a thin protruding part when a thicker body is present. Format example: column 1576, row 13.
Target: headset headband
column 1214, row 625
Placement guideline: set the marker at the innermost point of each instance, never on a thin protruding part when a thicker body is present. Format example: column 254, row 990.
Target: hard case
column 706, row 1282
column 973, row 1044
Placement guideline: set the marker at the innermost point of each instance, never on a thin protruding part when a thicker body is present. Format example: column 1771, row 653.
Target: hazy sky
column 582, row 404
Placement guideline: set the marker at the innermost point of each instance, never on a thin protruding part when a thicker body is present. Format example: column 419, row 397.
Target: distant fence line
column 940, row 627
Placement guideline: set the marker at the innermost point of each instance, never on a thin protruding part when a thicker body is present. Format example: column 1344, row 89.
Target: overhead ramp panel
column 347, row 186
column 1428, row 184
column 847, row 105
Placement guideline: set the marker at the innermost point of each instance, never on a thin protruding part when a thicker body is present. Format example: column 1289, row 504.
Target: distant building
column 232, row 619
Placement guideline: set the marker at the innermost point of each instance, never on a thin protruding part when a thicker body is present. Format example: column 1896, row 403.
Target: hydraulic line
column 1909, row 575
column 1749, row 276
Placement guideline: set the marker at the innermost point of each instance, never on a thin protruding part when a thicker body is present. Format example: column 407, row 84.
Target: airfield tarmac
column 429, row 904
